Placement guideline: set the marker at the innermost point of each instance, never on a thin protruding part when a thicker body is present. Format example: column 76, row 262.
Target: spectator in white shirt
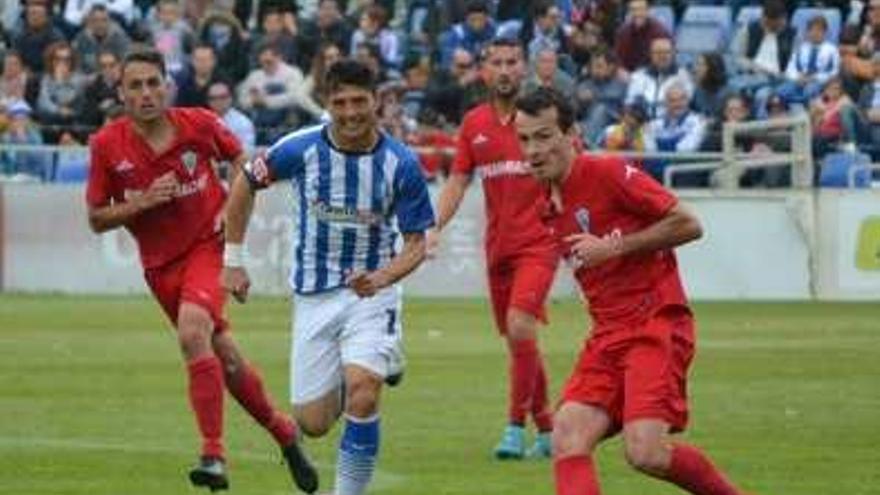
column 814, row 63
column 276, row 97
column 679, row 130
column 653, row 81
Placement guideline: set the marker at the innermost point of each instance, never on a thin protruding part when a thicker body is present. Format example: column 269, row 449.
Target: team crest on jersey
column 189, row 159
column 582, row 216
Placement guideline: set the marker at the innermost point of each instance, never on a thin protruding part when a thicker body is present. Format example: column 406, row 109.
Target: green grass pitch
column 785, row 397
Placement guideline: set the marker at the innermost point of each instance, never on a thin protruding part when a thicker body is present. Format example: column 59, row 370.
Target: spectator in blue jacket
column 476, row 31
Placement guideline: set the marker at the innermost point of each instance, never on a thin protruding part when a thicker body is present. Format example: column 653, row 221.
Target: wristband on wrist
column 233, row 255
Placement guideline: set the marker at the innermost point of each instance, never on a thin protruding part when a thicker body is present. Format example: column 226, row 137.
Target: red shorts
column 637, row 371
column 522, row 283
column 192, row 278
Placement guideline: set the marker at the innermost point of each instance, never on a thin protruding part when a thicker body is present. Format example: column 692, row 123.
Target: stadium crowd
column 659, row 76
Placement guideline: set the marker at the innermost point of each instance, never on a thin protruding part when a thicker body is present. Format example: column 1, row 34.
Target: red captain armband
column 257, row 172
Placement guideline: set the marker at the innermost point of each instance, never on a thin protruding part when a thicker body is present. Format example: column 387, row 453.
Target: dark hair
column 476, row 6
column 500, row 41
column 604, row 52
column 716, row 72
column 850, row 35
column 348, row 72
column 145, row 56
column 98, row 7
column 775, row 9
column 818, row 20
column 533, row 102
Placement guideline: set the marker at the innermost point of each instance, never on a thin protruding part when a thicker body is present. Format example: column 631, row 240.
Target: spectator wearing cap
column 220, row 101
column 869, row 106
column 651, row 82
column 373, row 28
column 472, row 34
column 813, row 64
column 763, row 48
column 599, row 96
column 20, row 130
column 62, row 91
column 100, row 34
column 636, row 36
column 36, row 35
column 102, row 102
column 16, row 83
column 171, row 35
column 274, row 95
column 545, row 72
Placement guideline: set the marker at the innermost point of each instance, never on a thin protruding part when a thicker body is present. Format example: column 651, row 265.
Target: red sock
column 575, row 475
column 206, row 399
column 247, row 388
column 540, row 412
column 523, row 366
column 693, row 471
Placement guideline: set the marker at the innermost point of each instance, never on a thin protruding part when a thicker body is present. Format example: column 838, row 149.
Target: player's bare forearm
column 367, row 284
column 238, row 209
column 678, row 227
column 450, row 198
column 236, row 166
column 113, row 216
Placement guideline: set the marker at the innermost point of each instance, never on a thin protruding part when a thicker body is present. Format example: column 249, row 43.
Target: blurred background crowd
column 645, row 76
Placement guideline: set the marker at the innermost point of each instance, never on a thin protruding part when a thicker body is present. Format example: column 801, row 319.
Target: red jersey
column 489, row 147
column 607, row 197
column 124, row 165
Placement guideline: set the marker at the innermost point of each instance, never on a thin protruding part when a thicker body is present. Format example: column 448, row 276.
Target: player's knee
column 568, row 438
column 521, row 326
column 313, row 426
column 362, row 397
column 194, row 333
column 645, row 454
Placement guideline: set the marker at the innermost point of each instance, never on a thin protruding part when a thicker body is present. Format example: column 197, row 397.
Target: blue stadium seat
column 665, row 15
column 802, row 16
column 836, row 168
column 748, row 14
column 71, row 169
column 694, row 38
column 719, row 14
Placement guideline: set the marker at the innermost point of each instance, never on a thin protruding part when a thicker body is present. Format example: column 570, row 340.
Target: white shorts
column 335, row 329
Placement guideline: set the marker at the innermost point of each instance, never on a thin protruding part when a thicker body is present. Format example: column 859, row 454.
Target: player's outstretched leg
column 542, row 415
column 649, row 450
column 244, row 382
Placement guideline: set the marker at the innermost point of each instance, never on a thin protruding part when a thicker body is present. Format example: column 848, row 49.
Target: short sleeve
column 98, row 187
column 463, row 161
column 282, row 161
column 635, row 190
column 412, row 204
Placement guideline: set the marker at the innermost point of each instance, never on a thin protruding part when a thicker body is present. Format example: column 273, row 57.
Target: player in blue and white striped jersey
column 356, row 188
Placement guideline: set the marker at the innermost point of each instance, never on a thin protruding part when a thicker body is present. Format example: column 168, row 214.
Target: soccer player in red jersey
column 152, row 172
column 520, row 253
column 618, row 228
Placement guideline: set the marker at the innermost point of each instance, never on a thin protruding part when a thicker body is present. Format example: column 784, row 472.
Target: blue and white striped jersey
column 350, row 205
